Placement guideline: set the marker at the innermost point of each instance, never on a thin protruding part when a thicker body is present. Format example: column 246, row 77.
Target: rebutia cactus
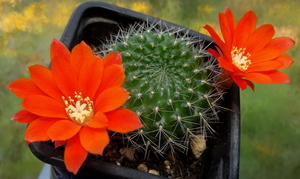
column 172, row 86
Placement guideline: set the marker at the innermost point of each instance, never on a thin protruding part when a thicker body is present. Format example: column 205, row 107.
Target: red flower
column 75, row 102
column 249, row 53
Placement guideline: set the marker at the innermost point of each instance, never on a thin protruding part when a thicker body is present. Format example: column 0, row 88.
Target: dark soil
column 180, row 166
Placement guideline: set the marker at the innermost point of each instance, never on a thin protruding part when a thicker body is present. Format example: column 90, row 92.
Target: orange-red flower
column 248, row 53
column 76, row 102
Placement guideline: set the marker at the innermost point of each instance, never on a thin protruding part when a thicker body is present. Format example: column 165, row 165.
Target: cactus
column 172, row 86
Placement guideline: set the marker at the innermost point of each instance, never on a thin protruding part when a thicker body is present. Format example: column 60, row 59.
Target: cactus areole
column 171, row 80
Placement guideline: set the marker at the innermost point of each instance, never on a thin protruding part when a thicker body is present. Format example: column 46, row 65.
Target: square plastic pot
column 93, row 22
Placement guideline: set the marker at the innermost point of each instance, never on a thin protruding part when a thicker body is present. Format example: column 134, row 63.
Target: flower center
column 78, row 109
column 240, row 59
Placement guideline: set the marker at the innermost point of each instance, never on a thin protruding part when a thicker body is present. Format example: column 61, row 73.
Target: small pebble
column 168, row 170
column 198, row 145
column 142, row 167
column 155, row 172
column 168, row 166
column 128, row 152
column 167, row 163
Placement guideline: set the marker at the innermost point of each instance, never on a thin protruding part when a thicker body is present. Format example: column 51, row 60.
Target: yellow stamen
column 240, row 59
column 78, row 109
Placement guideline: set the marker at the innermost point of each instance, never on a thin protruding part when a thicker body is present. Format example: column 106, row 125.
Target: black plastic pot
column 93, row 22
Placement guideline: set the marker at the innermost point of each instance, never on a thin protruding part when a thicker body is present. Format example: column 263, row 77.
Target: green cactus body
column 171, row 87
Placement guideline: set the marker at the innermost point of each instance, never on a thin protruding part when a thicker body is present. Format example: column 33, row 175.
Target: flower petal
column 64, row 76
column 265, row 66
column 240, row 82
column 98, row 121
column 113, row 76
column 43, row 78
column 90, row 76
column 59, row 143
column 63, row 130
column 273, row 49
column 282, row 44
column 215, row 36
column 111, row 99
column 58, row 49
column 258, row 78
column 100, row 139
column 230, row 19
column 244, row 28
column 23, row 87
column 260, row 38
column 250, row 84
column 277, row 77
column 74, row 154
column 223, row 63
column 265, row 54
column 226, row 29
column 112, row 58
column 80, row 54
column 24, row 116
column 37, row 130
column 44, row 106
column 123, row 120
column 286, row 60
column 243, row 83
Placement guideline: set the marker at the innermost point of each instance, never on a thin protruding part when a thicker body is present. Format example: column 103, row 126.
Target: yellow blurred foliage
column 30, row 19
column 138, row 6
column 65, row 10
column 202, row 10
column 35, row 17
column 207, row 9
column 141, row 7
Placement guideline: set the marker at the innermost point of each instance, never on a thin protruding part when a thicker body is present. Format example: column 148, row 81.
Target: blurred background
column 270, row 131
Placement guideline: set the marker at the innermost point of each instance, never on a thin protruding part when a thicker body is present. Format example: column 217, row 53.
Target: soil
column 180, row 166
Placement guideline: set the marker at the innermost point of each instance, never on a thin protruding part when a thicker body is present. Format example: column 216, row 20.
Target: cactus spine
column 172, row 85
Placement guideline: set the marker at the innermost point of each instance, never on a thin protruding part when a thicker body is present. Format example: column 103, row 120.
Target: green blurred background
column 270, row 133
